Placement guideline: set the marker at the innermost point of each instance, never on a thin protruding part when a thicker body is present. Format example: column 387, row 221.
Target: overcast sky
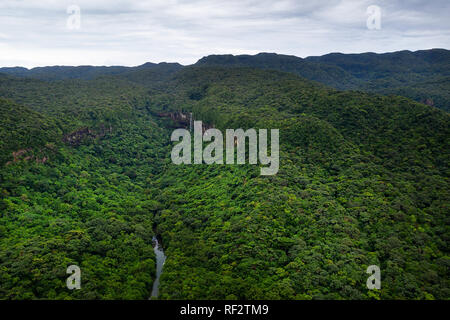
column 132, row 32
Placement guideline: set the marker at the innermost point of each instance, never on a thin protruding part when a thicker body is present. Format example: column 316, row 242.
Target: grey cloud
column 131, row 32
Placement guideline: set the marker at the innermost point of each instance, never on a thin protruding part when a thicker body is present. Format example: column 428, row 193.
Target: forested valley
column 86, row 178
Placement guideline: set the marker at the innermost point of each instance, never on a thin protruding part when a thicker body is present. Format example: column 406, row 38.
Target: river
column 160, row 259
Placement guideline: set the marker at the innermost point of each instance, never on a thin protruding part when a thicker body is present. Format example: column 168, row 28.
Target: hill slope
column 80, row 72
column 403, row 73
column 363, row 180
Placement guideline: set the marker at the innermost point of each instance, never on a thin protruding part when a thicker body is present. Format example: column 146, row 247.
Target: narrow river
column 160, row 259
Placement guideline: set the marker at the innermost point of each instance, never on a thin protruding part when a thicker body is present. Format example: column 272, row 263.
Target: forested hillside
column 81, row 72
column 421, row 75
column 363, row 180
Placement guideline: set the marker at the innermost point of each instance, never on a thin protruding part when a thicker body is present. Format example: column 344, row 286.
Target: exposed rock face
column 26, row 155
column 19, row 153
column 183, row 120
column 429, row 102
column 180, row 119
column 76, row 137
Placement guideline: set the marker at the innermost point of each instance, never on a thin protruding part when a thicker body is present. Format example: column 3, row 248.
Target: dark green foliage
column 91, row 207
column 22, row 128
column 421, row 75
column 363, row 180
column 81, row 72
column 358, row 172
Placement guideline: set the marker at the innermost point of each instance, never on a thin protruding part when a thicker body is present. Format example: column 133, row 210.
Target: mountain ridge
column 421, row 75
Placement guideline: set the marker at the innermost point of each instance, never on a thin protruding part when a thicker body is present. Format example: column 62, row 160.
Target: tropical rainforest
column 86, row 178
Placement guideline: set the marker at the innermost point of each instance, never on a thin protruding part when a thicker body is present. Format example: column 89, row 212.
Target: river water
column 160, row 259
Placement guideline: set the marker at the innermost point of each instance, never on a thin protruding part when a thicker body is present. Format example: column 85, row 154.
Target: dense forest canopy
column 421, row 75
column 86, row 179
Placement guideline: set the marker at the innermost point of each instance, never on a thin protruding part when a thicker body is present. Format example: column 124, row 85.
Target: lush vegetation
column 82, row 72
column 363, row 180
column 421, row 75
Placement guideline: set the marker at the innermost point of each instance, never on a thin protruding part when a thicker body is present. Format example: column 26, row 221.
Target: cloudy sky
column 132, row 32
